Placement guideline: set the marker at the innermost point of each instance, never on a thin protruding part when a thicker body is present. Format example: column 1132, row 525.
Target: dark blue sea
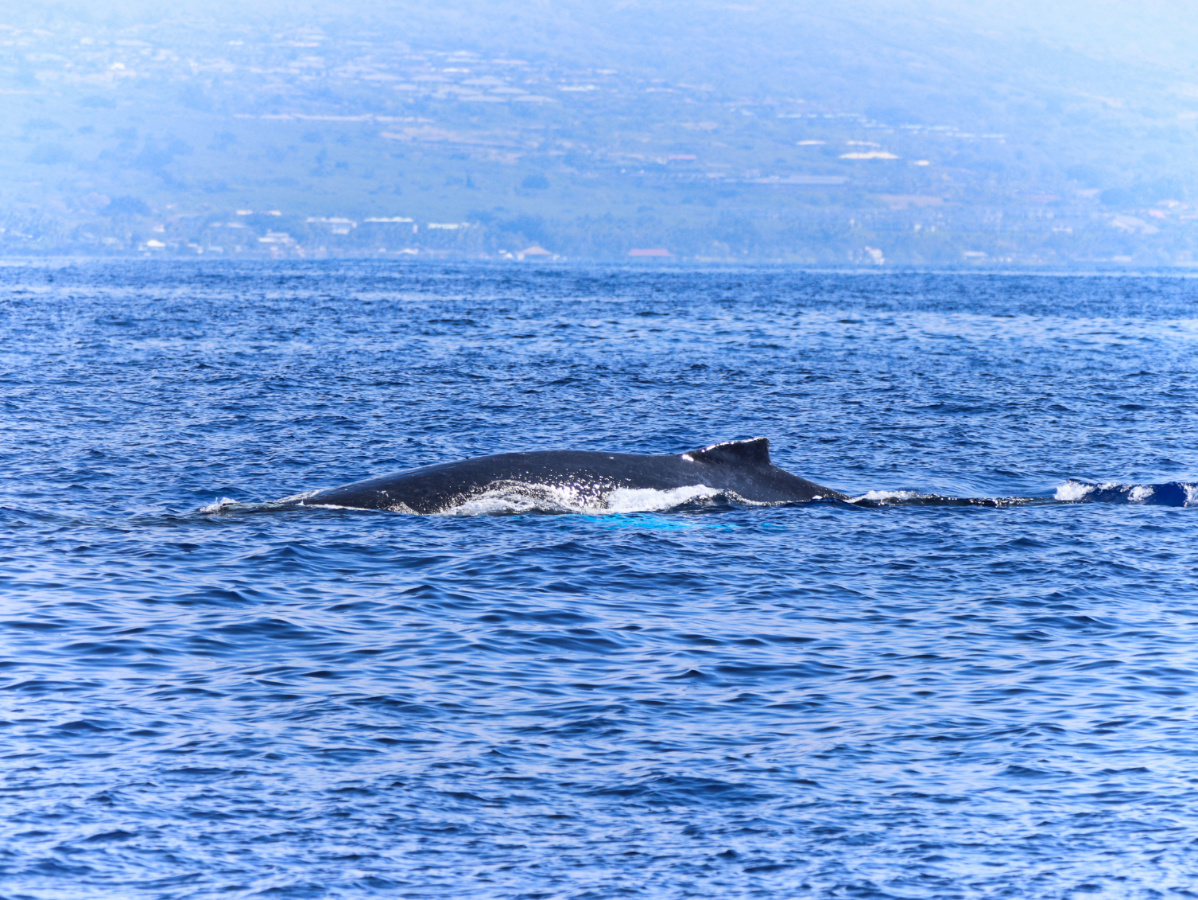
column 203, row 695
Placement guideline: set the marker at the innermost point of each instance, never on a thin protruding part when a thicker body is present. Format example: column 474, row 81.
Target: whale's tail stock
column 1181, row 494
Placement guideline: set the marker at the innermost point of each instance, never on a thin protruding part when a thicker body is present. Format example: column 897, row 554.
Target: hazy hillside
column 862, row 132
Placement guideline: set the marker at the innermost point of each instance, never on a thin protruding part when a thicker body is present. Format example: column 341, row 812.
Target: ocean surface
column 202, row 695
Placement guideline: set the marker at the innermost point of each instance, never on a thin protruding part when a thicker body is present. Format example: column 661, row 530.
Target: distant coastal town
column 180, row 139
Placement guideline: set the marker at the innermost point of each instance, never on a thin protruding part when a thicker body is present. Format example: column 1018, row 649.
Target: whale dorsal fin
column 755, row 452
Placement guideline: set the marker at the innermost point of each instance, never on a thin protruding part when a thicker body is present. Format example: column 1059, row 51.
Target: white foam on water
column 1074, row 491
column 1140, row 492
column 518, row 499
column 502, row 503
column 625, row 500
column 884, row 496
column 225, row 504
column 1077, row 491
column 515, row 498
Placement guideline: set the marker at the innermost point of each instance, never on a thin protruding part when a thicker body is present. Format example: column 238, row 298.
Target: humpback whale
column 734, row 472
column 739, row 471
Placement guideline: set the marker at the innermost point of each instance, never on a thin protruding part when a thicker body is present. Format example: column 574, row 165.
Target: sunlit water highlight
column 203, row 694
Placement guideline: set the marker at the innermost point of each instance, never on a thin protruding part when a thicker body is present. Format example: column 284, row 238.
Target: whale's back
column 739, row 470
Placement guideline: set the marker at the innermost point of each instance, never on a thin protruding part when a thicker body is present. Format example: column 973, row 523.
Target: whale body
column 738, row 471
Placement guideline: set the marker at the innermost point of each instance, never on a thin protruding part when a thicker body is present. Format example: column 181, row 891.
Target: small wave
column 1170, row 493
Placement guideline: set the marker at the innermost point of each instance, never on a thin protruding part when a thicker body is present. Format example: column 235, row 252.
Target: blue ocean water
column 201, row 698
